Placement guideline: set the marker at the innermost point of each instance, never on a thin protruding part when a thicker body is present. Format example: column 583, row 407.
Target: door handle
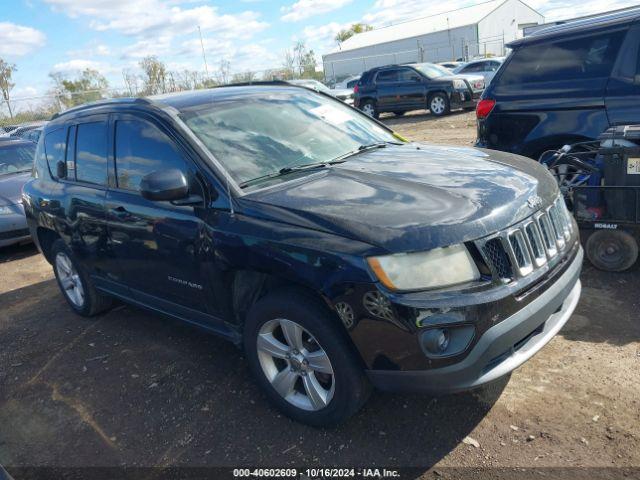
column 119, row 211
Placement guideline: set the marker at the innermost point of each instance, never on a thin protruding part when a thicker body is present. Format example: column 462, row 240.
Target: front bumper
column 463, row 99
column 501, row 348
column 13, row 227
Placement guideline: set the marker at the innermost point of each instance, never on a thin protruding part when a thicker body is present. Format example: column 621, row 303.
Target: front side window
column 258, row 134
column 408, row 75
column 580, row 58
column 91, row 153
column 431, row 70
column 141, row 148
column 16, row 158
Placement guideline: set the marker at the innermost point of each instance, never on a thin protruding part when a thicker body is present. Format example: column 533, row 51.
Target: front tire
column 302, row 360
column 439, row 104
column 75, row 284
column 612, row 250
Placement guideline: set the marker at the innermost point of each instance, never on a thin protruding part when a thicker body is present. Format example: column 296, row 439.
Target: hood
column 411, row 197
column 342, row 92
column 11, row 187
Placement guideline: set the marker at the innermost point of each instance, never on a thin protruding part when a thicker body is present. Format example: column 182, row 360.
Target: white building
column 464, row 33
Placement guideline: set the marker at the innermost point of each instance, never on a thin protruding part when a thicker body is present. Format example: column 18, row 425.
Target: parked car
column 343, row 94
column 451, row 65
column 16, row 163
column 401, row 88
column 29, row 131
column 564, row 84
column 337, row 256
column 487, row 67
column 348, row 83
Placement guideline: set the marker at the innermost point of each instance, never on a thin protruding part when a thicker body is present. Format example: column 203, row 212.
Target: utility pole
column 204, row 56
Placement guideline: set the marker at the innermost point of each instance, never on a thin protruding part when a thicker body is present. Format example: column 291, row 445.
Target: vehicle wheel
column 612, row 250
column 302, row 360
column 439, row 104
column 76, row 286
column 399, row 114
column 369, row 108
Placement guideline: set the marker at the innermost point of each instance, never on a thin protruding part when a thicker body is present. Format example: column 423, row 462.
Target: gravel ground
column 130, row 388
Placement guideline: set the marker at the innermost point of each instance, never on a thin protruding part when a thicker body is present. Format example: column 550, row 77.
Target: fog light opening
column 436, row 341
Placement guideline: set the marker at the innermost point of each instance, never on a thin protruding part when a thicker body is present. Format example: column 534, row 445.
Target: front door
column 162, row 248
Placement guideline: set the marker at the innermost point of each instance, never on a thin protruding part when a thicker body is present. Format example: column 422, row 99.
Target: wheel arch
column 45, row 238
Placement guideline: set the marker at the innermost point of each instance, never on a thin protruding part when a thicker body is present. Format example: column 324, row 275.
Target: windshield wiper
column 285, row 171
column 313, row 166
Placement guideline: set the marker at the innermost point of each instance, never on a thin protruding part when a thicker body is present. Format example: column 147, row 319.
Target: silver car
column 487, row 67
column 16, row 162
column 343, row 94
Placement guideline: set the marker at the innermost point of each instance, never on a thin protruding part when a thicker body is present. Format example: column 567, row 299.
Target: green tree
column 88, row 87
column 6, row 85
column 155, row 75
column 344, row 35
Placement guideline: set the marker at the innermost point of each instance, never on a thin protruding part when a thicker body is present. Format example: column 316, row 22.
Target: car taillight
column 484, row 107
column 355, row 89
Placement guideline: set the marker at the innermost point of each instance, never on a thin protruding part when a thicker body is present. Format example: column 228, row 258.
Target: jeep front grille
column 529, row 245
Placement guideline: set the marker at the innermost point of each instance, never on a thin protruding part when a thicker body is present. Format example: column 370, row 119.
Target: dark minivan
column 564, row 84
column 307, row 233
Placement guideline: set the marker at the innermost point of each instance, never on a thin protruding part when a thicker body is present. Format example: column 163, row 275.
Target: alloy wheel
column 437, row 105
column 368, row 109
column 69, row 279
column 295, row 364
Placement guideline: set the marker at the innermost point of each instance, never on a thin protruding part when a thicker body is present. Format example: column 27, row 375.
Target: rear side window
column 579, row 58
column 387, row 76
column 91, row 153
column 141, row 148
column 55, row 146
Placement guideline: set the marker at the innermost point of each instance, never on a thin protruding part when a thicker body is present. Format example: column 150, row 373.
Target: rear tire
column 368, row 107
column 612, row 250
column 287, row 328
column 439, row 104
column 75, row 284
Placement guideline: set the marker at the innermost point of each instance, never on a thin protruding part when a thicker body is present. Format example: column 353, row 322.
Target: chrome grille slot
column 497, row 258
column 556, row 221
column 520, row 252
column 548, row 234
column 535, row 243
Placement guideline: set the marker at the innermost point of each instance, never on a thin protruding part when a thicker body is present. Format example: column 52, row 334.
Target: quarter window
column 141, row 148
column 91, row 153
column 55, row 145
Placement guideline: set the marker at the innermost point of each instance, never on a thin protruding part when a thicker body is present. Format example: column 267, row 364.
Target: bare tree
column 223, row 72
column 6, row 85
column 155, row 71
column 131, row 82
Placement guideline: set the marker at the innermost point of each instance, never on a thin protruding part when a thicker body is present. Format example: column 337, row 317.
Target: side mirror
column 61, row 169
column 164, row 185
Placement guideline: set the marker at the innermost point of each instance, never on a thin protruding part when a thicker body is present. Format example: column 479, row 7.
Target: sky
column 44, row 36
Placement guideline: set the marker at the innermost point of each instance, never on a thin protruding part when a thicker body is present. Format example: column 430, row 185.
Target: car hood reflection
column 411, row 197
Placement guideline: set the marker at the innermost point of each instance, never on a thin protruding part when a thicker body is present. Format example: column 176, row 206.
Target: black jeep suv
column 564, row 84
column 401, row 88
column 306, row 233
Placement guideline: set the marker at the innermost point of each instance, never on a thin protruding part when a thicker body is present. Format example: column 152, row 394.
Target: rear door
column 163, row 248
column 79, row 203
column 623, row 90
column 387, row 90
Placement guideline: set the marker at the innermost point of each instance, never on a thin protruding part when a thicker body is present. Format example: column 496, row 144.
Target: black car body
column 338, row 244
column 564, row 84
column 401, row 88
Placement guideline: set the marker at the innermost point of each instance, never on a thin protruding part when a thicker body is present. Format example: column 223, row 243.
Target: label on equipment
column 633, row 166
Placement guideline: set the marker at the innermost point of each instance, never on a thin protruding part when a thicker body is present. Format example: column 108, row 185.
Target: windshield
column 257, row 134
column 16, row 158
column 432, row 70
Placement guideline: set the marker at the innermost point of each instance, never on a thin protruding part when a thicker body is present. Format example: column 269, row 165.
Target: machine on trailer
column 600, row 181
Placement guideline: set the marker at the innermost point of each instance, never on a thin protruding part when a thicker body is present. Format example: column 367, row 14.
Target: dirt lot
column 129, row 388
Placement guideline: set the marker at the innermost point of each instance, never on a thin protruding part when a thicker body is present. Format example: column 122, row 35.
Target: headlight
column 439, row 267
column 7, row 210
column 459, row 84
